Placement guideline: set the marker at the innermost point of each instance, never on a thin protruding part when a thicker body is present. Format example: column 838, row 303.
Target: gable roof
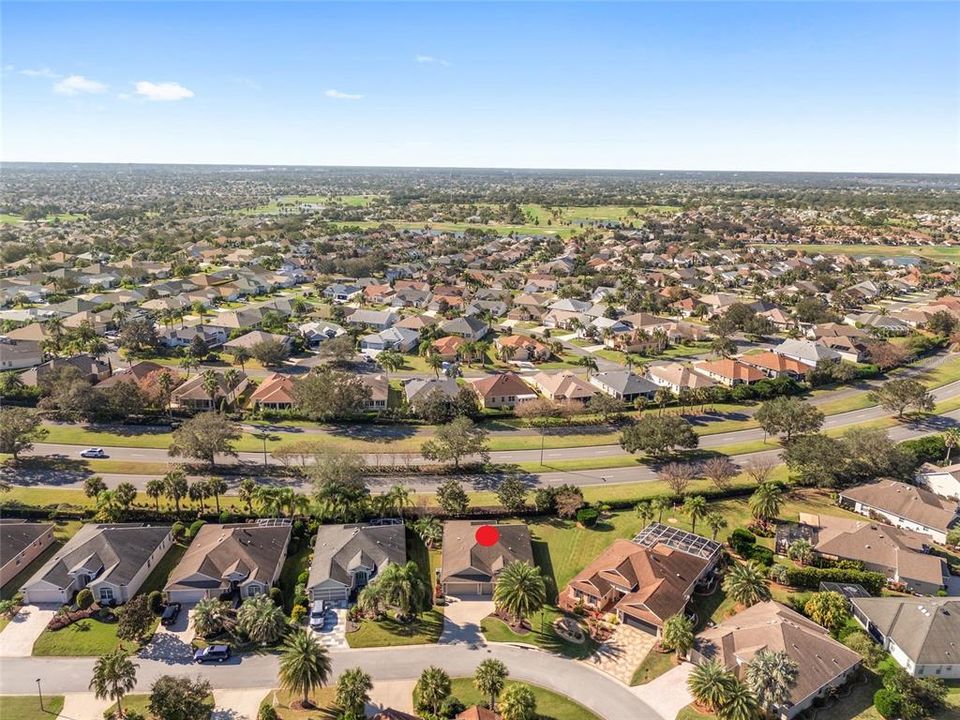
column 17, row 535
column 275, row 388
column 503, row 384
column 464, row 558
column 926, row 629
column 906, row 501
column 772, row 626
column 339, row 549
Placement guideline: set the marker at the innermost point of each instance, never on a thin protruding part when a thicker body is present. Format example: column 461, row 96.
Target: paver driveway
column 622, row 654
column 462, row 617
column 18, row 637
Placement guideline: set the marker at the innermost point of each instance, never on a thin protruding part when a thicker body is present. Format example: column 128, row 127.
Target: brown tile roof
column 732, row 369
column 779, row 363
column 275, row 388
column 478, row 713
column 503, row 384
column 772, row 626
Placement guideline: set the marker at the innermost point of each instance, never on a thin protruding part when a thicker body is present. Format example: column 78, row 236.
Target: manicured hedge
column 811, row 577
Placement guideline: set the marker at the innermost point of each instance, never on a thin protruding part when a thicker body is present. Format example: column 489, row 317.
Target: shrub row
column 811, row 577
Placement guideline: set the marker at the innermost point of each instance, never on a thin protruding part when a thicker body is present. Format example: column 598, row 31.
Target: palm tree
column 155, row 489
column 716, row 522
column 211, row 386
column 951, row 438
column 678, row 634
column 240, row 356
column 353, row 692
column 771, row 675
column 800, row 551
column 710, row 683
column 766, row 501
column 745, row 584
column 518, row 703
column 261, row 620
column 400, row 498
column 740, row 704
column 208, row 617
column 390, row 361
column 246, row 492
column 520, row 590
column 114, row 675
column 216, row 487
column 435, row 362
column 432, row 688
column 175, row 486
column 661, row 398
column 165, row 384
column 489, row 679
column 404, row 588
column 269, row 499
column 10, row 383
column 372, row 600
column 645, row 511
column 660, row 504
column 304, row 663
column 430, row 530
column 696, row 507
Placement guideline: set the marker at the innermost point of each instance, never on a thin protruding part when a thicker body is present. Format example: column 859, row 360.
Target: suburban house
column 379, row 391
column 469, row 328
column 376, row 319
column 563, row 386
column 19, row 354
column 347, row 557
column 774, row 365
column 677, row 377
column 646, row 580
column 317, row 332
column 822, row 662
column 901, row 555
column 193, row 393
column 20, row 543
column 448, row 348
column 212, row 335
column 255, row 337
column 502, row 391
column 93, row 369
column 243, row 558
column 393, row 338
column 623, row 385
column 274, row 393
column 921, row 634
column 944, row 481
column 469, row 568
column 112, row 560
column 521, row 347
column 904, row 506
column 808, row 352
column 416, row 390
column 341, row 293
column 729, row 372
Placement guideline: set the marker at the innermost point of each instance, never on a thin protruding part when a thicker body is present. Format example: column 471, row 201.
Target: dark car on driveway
column 170, row 614
column 212, row 653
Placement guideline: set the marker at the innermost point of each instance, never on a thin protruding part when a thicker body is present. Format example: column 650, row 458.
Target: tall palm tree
column 745, row 584
column 520, row 590
column 710, row 683
column 771, row 674
column 211, row 386
column 766, row 501
column 678, row 634
column 216, row 487
column 175, row 487
column 114, row 675
column 432, row 688
column 353, row 692
column 165, row 384
column 304, row 664
column 430, row 530
column 390, row 361
column 400, row 498
column 740, row 704
column 695, row 506
column 209, row 615
column 261, row 620
column 660, row 504
column 518, row 703
column 716, row 522
column 489, row 679
column 269, row 499
column 199, row 492
column 155, row 489
column 951, row 438
column 435, row 362
column 645, row 511
column 247, row 492
column 405, row 588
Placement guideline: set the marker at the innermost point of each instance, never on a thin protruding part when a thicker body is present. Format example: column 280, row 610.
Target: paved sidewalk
column 21, row 633
column 83, row 706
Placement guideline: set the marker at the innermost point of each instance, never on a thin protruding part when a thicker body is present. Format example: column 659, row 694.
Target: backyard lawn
column 550, row 705
column 27, row 707
column 295, row 564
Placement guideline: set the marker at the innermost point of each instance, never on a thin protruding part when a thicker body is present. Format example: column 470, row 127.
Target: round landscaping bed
column 570, row 630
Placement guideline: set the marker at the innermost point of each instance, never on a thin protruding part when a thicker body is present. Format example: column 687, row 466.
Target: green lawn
column 388, row 633
column 295, row 564
column 27, row 707
column 141, row 703
column 550, row 705
column 323, row 699
column 690, row 713
column 495, row 630
column 653, row 666
column 161, row 571
column 83, row 638
column 934, row 252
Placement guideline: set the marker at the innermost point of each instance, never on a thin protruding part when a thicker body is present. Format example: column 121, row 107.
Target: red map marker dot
column 487, row 535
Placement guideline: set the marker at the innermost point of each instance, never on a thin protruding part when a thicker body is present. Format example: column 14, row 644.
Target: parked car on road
column 94, row 453
column 170, row 614
column 212, row 653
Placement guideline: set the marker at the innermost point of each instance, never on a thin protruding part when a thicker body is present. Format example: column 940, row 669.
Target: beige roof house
column 822, row 662
column 469, row 568
column 563, row 386
column 906, row 506
column 347, row 557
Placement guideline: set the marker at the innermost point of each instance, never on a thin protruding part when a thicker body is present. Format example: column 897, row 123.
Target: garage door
column 328, row 594
column 38, row 597
column 467, row 588
column 640, row 625
column 185, row 596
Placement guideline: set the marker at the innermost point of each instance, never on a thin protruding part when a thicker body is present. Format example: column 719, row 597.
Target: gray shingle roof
column 926, row 629
column 341, row 548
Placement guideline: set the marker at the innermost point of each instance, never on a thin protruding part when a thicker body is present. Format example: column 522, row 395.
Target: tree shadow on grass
column 385, row 434
column 48, row 470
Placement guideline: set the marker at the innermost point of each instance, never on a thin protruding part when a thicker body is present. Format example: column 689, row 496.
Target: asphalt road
column 592, row 688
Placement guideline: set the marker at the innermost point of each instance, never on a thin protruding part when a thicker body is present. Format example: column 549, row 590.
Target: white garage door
column 467, row 588
column 37, row 597
column 328, row 594
column 185, row 596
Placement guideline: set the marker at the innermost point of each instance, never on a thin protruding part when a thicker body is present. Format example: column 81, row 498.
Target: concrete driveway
column 396, row 694
column 171, row 643
column 667, row 694
column 238, row 704
column 462, row 617
column 83, row 706
column 18, row 637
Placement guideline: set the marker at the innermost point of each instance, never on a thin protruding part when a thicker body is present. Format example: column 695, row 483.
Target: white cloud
column 430, row 60
column 163, row 92
column 78, row 84
column 43, row 72
column 337, row 95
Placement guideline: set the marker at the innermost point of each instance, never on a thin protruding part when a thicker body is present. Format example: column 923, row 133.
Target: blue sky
column 728, row 86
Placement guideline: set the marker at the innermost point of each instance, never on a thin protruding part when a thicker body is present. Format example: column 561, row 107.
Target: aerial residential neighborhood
column 479, row 361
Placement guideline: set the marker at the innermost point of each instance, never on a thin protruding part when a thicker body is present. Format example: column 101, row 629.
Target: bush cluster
column 811, row 577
